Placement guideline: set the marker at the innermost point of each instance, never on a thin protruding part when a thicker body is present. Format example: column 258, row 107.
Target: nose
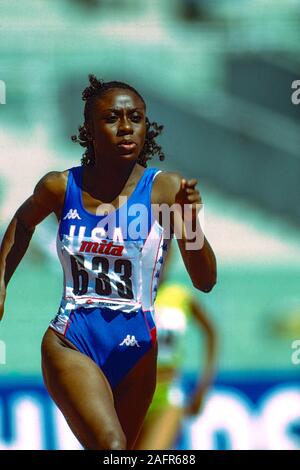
column 125, row 126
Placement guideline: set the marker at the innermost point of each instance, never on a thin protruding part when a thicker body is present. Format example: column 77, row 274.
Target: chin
column 129, row 156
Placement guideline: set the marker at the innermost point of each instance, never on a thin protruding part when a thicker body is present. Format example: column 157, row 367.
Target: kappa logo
column 129, row 341
column 72, row 214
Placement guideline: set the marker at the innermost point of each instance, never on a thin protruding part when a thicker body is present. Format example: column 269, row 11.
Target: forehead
column 119, row 98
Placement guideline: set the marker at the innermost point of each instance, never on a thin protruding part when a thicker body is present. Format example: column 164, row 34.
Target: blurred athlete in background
column 175, row 308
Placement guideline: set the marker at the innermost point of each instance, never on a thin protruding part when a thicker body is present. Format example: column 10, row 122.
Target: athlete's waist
column 91, row 301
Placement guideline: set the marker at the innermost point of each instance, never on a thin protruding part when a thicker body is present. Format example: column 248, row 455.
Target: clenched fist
column 189, row 198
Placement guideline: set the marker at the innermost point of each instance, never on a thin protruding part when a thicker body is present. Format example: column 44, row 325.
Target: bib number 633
column 100, row 264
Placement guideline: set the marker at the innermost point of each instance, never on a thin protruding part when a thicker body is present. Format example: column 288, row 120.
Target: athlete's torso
column 110, row 260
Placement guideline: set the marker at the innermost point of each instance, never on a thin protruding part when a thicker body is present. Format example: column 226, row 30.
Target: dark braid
column 91, row 93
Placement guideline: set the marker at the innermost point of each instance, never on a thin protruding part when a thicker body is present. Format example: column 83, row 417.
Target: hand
column 189, row 198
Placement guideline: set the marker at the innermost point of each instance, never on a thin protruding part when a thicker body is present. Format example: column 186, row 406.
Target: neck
column 104, row 182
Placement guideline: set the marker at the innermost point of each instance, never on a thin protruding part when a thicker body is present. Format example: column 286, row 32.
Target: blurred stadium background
column 218, row 75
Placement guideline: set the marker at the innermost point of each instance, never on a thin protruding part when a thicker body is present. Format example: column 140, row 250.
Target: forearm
column 207, row 329
column 209, row 371
column 201, row 265
column 46, row 198
column 206, row 375
column 197, row 254
column 14, row 245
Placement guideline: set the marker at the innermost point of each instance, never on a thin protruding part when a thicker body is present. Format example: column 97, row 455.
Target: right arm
column 205, row 326
column 47, row 197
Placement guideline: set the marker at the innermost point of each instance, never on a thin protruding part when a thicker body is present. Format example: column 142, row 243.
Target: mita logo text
column 104, row 247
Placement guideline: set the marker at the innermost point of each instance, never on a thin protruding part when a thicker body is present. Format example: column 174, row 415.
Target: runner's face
column 118, row 125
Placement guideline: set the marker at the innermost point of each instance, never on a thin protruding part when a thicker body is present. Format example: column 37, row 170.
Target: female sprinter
column 99, row 352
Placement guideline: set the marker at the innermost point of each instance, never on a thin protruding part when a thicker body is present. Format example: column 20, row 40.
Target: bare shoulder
column 47, row 197
column 53, row 181
column 50, row 189
column 165, row 187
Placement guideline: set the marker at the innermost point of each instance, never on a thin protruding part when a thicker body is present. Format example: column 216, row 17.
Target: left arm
column 197, row 254
column 200, row 264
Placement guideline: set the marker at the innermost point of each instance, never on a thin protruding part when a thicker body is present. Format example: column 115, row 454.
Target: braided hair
column 94, row 91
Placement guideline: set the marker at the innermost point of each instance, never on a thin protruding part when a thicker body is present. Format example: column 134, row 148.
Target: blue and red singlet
column 111, row 265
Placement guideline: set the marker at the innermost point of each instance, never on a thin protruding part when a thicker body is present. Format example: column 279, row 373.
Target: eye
column 136, row 117
column 111, row 118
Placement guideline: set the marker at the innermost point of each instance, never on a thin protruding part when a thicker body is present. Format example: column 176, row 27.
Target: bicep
column 165, row 187
column 39, row 205
column 31, row 212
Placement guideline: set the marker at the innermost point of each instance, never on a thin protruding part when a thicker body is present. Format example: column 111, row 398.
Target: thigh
column 82, row 393
column 134, row 394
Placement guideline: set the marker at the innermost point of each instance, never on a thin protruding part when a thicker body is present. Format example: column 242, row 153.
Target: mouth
column 127, row 145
